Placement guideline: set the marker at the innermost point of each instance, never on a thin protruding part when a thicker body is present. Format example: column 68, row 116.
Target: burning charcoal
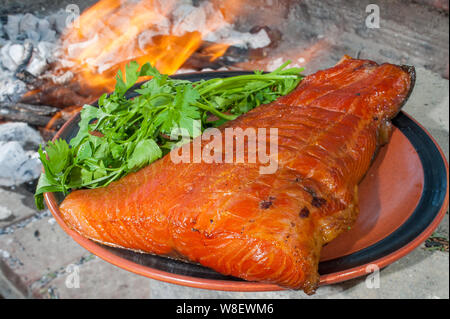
column 18, row 166
column 12, row 26
column 28, row 138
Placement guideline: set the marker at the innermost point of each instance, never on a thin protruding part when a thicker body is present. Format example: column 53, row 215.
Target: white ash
column 66, row 77
column 19, row 161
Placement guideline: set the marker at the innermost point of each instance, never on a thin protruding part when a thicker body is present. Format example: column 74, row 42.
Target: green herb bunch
column 122, row 135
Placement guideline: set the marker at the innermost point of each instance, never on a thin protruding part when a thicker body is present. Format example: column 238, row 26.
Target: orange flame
column 113, row 32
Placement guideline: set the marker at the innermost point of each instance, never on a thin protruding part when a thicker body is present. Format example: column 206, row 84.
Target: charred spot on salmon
column 266, row 204
column 211, row 221
column 318, row 202
column 194, row 229
column 310, row 191
column 304, row 213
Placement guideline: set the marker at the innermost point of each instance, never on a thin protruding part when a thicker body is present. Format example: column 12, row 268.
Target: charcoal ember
column 28, row 23
column 18, row 157
column 27, row 137
column 274, row 35
column 61, row 96
column 10, row 87
column 258, row 40
column 2, row 33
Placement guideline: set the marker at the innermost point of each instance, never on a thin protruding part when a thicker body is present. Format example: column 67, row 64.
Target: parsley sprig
column 122, row 135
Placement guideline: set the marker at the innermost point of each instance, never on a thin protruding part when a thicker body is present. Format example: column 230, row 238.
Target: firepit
column 54, row 58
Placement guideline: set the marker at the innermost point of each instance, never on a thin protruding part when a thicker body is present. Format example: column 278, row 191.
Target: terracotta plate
column 403, row 198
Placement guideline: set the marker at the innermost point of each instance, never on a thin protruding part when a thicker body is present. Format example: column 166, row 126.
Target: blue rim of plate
column 433, row 198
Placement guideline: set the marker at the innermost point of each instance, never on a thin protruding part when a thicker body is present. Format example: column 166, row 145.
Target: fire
column 114, row 32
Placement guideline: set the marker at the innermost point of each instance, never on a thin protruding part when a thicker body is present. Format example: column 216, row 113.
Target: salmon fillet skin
column 260, row 227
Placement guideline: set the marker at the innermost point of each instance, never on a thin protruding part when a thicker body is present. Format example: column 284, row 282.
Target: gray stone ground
column 35, row 252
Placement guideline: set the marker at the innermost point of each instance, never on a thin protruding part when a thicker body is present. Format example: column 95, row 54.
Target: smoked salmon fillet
column 259, row 227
